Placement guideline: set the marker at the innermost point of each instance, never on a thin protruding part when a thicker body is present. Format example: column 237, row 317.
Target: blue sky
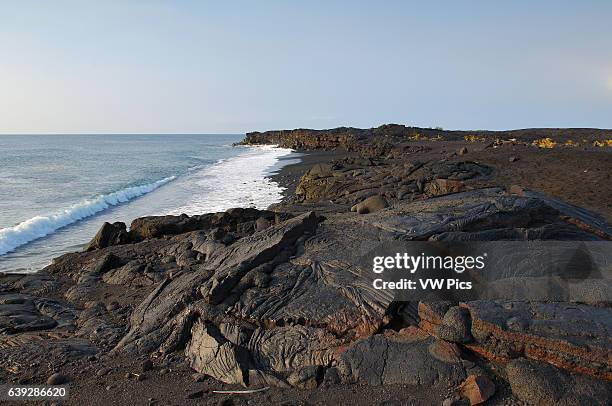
column 206, row 67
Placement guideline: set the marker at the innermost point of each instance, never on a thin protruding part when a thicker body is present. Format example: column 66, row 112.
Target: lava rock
column 456, row 325
column 477, row 388
column 306, row 378
column 195, row 395
column 440, row 187
column 542, row 384
column 331, row 377
column 109, row 235
column 103, row 371
column 370, row 205
column 262, row 223
column 198, row 377
column 147, row 365
column 57, row 379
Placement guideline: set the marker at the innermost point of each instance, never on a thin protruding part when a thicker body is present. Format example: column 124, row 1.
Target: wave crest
column 41, row 226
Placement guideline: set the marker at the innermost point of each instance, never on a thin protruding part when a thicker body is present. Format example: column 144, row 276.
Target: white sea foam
column 41, row 226
column 239, row 181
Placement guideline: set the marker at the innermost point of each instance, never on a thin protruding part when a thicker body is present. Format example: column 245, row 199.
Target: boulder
column 370, row 205
column 477, row 389
column 320, row 171
column 109, row 235
column 456, row 325
column 210, row 353
column 537, row 383
column 445, row 351
column 57, row 379
column 439, row 187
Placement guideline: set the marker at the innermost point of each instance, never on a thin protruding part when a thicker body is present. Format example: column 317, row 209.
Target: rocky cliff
column 380, row 140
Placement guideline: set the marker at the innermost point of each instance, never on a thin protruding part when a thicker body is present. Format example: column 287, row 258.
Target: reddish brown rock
column 412, row 333
column 431, row 315
column 440, row 187
column 517, row 190
column 445, row 351
column 477, row 389
column 570, row 336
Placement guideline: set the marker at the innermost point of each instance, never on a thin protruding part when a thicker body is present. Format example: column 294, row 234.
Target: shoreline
column 34, row 243
column 180, row 306
column 289, row 176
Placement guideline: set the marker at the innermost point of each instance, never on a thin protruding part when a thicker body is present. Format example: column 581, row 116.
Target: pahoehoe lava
column 274, row 298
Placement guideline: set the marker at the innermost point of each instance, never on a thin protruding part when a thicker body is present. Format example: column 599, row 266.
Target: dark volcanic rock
column 390, row 138
column 308, row 377
column 352, row 181
column 398, row 359
column 108, row 235
column 19, row 313
column 57, row 379
column 210, row 353
column 263, row 298
column 492, row 214
column 284, row 303
column 571, row 336
column 147, row 365
column 455, row 325
column 240, row 221
column 215, row 279
column 542, row 384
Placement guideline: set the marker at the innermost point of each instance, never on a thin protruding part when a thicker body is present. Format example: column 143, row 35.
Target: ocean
column 57, row 190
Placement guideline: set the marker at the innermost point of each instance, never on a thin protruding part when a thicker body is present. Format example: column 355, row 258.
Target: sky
column 230, row 67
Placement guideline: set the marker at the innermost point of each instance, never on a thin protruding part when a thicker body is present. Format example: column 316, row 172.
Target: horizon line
column 119, row 133
column 303, row 128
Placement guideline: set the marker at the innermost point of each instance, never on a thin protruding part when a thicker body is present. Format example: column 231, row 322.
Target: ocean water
column 57, row 190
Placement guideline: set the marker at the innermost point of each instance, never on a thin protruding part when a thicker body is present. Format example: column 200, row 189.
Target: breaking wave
column 41, row 226
column 239, row 181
